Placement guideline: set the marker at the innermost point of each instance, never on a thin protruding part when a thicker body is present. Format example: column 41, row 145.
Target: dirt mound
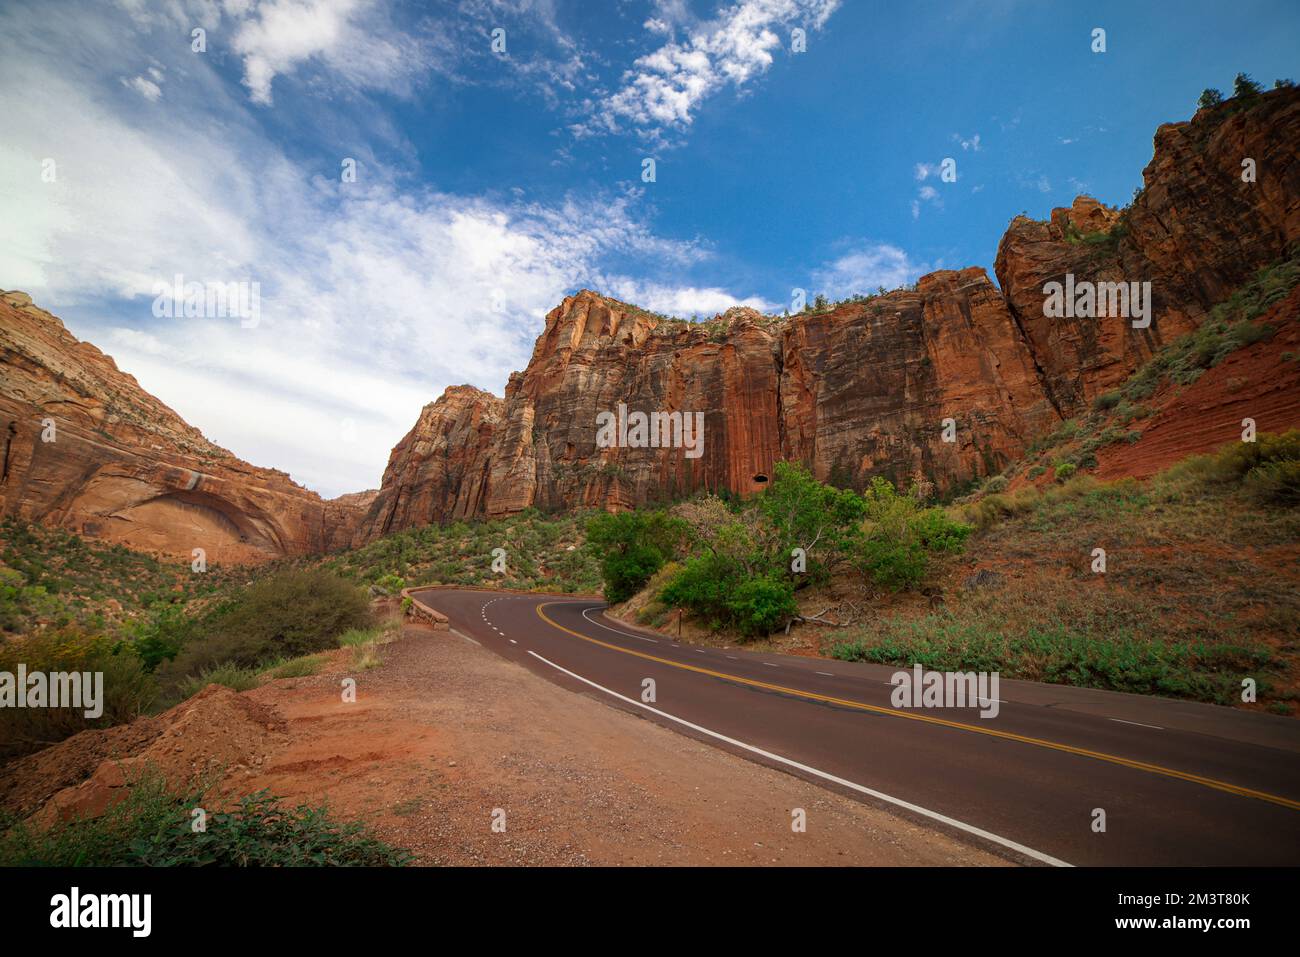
column 1260, row 382
column 215, row 729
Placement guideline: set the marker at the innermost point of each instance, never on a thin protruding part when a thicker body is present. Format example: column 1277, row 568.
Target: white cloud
column 864, row 269
column 683, row 301
column 145, row 87
column 664, row 88
column 274, row 37
column 375, row 296
column 972, row 144
column 927, row 193
column 353, row 40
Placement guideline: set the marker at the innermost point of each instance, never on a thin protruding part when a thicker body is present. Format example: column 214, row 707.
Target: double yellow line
column 913, row 716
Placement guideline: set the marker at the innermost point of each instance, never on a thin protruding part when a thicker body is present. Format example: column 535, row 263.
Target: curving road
column 1180, row 783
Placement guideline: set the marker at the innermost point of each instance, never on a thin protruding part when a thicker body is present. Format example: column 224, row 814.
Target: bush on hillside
column 128, row 689
column 285, row 615
column 150, row 827
column 805, row 513
column 718, row 589
column 900, row 534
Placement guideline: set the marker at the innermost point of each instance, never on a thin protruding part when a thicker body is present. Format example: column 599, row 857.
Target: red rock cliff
column 124, row 467
column 864, row 388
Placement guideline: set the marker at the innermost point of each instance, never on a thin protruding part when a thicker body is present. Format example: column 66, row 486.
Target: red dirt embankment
column 1258, row 382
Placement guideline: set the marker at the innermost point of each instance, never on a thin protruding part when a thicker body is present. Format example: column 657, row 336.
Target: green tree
column 900, row 535
column 1209, row 98
column 1245, row 87
column 631, row 547
column 805, row 513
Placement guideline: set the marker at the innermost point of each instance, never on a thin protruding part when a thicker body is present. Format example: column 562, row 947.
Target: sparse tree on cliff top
column 1244, row 86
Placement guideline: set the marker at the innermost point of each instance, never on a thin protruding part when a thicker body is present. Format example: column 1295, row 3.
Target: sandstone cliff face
column 1195, row 232
column 124, row 467
column 439, row 471
column 859, row 390
column 864, row 389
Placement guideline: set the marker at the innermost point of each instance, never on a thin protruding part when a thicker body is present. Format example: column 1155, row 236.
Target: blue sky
column 490, row 185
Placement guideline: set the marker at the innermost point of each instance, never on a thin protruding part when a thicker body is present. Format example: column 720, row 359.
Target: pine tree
column 1244, row 86
column 1209, row 98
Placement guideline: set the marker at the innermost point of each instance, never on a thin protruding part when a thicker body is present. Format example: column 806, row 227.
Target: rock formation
column 943, row 383
column 85, row 448
column 864, row 388
column 1196, row 230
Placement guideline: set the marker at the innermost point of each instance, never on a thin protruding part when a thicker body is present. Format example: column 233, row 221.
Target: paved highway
column 1180, row 783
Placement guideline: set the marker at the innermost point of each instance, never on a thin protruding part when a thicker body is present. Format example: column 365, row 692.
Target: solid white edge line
column 1154, row 727
column 466, row 637
column 626, row 634
column 879, row 795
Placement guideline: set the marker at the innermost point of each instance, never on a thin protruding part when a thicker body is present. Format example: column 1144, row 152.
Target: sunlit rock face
column 86, row 449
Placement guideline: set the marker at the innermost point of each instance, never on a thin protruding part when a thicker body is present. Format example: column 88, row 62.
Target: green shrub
column 161, row 636
column 899, row 534
column 1274, row 483
column 894, row 563
column 804, row 513
column 391, row 584
column 627, row 572
column 358, row 636
column 285, row 615
column 1064, row 470
column 758, row 606
column 997, row 483
column 128, row 689
column 1236, row 460
column 227, row 675
column 718, row 590
column 702, row 585
column 151, row 827
column 303, row 667
column 1107, row 400
column 1060, row 653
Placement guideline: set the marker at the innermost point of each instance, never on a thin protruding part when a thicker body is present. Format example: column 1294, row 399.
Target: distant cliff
column 122, row 466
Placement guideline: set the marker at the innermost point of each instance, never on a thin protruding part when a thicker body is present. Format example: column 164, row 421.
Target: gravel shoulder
column 444, row 733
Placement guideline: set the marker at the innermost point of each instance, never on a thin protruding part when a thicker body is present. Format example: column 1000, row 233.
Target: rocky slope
column 864, row 388
column 124, row 467
column 1195, row 231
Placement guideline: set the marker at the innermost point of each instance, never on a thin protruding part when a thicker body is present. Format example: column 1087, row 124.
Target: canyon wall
column 864, row 388
column 86, row 449
column 873, row 386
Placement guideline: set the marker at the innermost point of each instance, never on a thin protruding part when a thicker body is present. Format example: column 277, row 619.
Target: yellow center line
column 912, row 716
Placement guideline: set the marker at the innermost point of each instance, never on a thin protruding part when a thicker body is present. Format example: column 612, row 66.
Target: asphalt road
column 1180, row 783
